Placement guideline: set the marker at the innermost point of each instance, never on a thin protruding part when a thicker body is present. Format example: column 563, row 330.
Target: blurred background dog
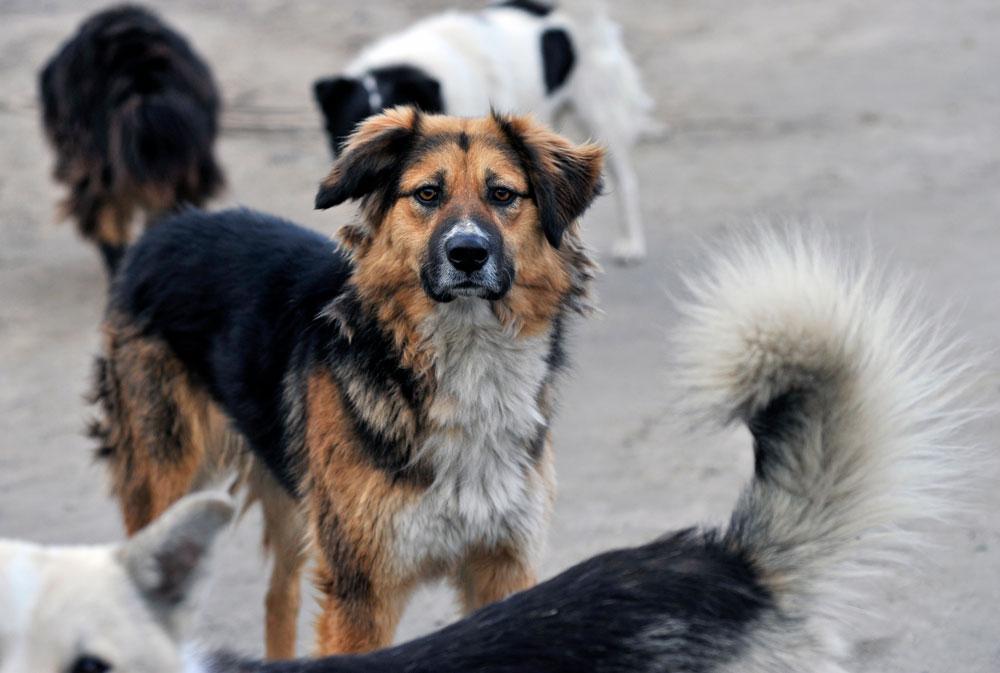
column 521, row 56
column 132, row 114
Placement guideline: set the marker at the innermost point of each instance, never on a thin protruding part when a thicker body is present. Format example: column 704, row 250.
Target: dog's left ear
column 166, row 560
column 565, row 178
column 372, row 159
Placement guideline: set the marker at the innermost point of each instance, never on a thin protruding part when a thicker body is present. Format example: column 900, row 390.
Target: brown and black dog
column 132, row 113
column 387, row 398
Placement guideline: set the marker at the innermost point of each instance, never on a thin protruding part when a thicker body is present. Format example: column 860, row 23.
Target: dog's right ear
column 167, row 559
column 372, row 160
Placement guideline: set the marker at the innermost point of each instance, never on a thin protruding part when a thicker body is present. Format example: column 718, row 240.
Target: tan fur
column 492, row 575
column 113, row 222
column 345, row 627
column 156, row 445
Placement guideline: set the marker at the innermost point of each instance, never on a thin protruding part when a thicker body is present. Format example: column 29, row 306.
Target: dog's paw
column 628, row 251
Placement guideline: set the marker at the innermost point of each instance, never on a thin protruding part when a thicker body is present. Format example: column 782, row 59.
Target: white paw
column 628, row 251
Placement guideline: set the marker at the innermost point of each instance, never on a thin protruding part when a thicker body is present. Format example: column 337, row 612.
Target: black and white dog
column 518, row 56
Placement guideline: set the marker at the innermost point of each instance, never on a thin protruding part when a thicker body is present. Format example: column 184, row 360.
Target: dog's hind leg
column 101, row 218
column 154, row 424
column 112, row 233
column 285, row 538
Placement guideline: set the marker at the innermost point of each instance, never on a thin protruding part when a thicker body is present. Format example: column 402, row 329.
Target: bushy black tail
column 164, row 144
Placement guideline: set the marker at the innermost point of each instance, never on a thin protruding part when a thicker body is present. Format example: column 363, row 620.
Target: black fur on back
column 130, row 109
column 683, row 603
column 558, row 58
column 532, row 7
column 345, row 102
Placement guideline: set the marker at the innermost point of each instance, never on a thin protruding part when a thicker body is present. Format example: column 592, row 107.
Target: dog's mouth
column 468, row 287
column 443, row 284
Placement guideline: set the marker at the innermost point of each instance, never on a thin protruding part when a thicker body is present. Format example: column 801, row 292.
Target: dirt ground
column 879, row 119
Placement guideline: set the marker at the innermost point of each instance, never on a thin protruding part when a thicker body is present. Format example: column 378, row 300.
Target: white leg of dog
column 631, row 247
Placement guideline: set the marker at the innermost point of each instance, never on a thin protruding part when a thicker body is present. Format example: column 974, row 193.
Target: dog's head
column 346, row 101
column 477, row 209
column 107, row 608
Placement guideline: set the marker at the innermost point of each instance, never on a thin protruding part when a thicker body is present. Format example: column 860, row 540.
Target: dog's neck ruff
column 484, row 420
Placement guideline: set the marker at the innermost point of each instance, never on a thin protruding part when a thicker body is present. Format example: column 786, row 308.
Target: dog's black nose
column 467, row 252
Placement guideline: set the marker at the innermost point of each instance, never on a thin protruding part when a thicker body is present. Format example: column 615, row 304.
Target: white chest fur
column 486, row 490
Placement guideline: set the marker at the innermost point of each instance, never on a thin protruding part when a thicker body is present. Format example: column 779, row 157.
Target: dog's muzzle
column 466, row 259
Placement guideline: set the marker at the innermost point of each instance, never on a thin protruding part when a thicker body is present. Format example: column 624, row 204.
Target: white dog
column 518, row 56
column 107, row 608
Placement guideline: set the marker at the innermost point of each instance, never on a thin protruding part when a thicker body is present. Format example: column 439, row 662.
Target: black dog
column 132, row 112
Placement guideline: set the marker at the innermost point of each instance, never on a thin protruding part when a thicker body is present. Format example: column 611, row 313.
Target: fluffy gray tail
column 849, row 398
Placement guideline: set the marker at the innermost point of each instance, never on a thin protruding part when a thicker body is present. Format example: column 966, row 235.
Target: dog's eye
column 89, row 664
column 428, row 195
column 501, row 195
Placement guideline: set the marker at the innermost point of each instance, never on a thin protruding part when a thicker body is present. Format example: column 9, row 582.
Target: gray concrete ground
column 881, row 119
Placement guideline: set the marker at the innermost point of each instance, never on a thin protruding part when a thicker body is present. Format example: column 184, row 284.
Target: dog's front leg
column 360, row 611
column 489, row 576
column 630, row 247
